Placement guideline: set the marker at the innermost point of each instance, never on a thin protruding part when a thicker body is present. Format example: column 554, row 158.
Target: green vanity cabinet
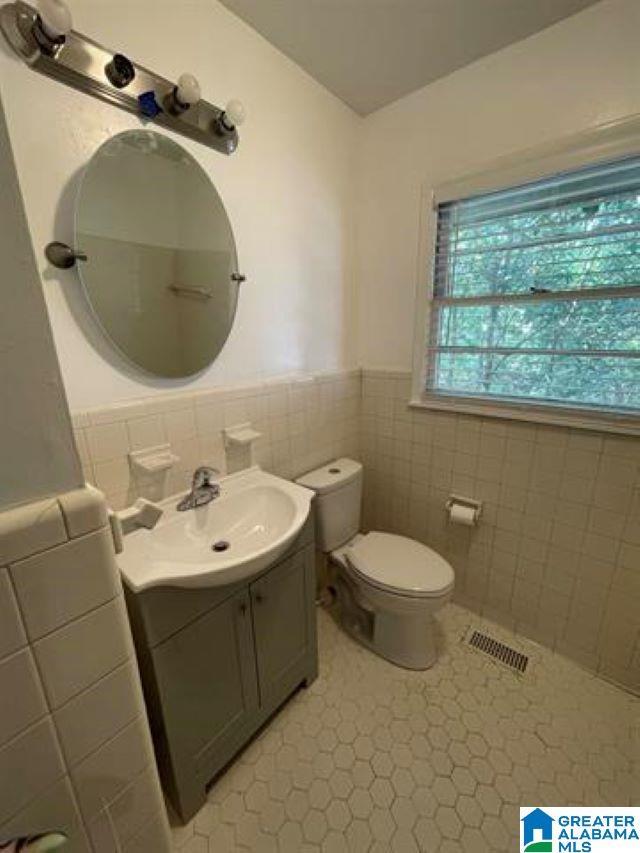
column 281, row 627
column 206, row 677
column 216, row 663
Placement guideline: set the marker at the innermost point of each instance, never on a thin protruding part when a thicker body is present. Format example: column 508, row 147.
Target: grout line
column 64, row 520
column 78, row 618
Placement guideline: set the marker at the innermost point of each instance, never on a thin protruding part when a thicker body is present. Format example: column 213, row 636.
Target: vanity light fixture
column 51, row 25
column 42, row 36
column 231, row 117
column 185, row 94
column 120, row 71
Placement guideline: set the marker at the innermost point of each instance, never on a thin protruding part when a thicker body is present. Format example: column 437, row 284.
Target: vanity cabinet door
column 207, row 680
column 284, row 624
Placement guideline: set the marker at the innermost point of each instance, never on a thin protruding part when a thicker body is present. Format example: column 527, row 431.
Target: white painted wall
column 288, row 190
column 37, row 453
column 578, row 74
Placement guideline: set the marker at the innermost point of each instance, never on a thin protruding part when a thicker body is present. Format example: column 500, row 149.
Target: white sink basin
column 257, row 514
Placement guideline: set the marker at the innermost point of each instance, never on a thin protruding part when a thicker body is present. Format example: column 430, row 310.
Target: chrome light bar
column 77, row 61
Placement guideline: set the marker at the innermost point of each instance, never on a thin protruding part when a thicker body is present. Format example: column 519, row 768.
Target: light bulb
column 188, row 89
column 234, row 114
column 55, row 18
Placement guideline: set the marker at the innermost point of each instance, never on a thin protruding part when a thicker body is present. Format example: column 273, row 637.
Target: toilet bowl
column 389, row 587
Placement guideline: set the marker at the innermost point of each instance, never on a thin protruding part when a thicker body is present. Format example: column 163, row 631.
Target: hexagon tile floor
column 376, row 758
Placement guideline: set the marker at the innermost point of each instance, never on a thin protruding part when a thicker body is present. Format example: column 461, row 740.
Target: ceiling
column 371, row 52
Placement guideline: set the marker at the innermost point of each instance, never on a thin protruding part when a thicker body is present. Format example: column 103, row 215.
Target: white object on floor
column 389, row 587
column 36, row 844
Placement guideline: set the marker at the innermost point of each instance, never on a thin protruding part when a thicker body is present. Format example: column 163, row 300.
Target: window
column 536, row 295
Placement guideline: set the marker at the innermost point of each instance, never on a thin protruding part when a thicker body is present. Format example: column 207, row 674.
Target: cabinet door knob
column 243, row 608
column 259, row 597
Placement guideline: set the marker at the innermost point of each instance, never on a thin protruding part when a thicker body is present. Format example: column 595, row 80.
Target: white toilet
column 389, row 587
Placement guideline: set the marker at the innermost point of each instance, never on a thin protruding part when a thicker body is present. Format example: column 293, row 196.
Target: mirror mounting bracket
column 62, row 256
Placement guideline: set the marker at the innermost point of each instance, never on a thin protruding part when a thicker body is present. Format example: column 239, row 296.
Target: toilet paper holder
column 470, row 503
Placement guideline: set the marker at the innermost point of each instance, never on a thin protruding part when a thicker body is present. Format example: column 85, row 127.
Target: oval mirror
column 161, row 258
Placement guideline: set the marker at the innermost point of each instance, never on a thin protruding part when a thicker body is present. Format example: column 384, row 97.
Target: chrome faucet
column 203, row 490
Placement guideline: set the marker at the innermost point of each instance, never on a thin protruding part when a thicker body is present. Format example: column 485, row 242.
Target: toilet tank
column 338, row 488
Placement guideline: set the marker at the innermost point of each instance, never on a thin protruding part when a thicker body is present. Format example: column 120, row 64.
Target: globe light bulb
column 55, row 18
column 188, row 89
column 234, row 113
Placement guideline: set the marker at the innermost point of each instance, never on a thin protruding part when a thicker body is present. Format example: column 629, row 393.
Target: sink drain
column 222, row 545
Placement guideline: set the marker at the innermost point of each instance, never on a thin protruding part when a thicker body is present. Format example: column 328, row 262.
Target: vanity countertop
column 251, row 524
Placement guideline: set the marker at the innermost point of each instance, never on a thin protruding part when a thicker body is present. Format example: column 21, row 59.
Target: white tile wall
column 79, row 654
column 304, row 421
column 29, row 764
column 89, row 720
column 29, row 529
column 56, row 807
column 130, row 810
column 557, row 557
column 557, row 554
column 82, row 516
column 13, row 635
column 24, row 704
column 83, row 567
column 74, row 739
column 103, row 775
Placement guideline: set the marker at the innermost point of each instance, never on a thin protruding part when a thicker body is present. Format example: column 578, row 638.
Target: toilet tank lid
column 333, row 475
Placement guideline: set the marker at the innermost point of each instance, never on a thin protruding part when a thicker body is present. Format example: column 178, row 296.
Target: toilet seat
column 399, row 565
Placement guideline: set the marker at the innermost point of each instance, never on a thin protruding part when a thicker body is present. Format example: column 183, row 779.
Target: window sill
column 556, row 416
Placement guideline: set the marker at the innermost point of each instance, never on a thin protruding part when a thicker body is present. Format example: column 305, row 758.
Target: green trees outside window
column 537, row 292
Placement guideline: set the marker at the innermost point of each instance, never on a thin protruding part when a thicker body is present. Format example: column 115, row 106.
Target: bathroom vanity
column 217, row 661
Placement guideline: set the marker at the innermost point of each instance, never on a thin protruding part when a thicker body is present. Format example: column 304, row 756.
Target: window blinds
column 537, row 292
